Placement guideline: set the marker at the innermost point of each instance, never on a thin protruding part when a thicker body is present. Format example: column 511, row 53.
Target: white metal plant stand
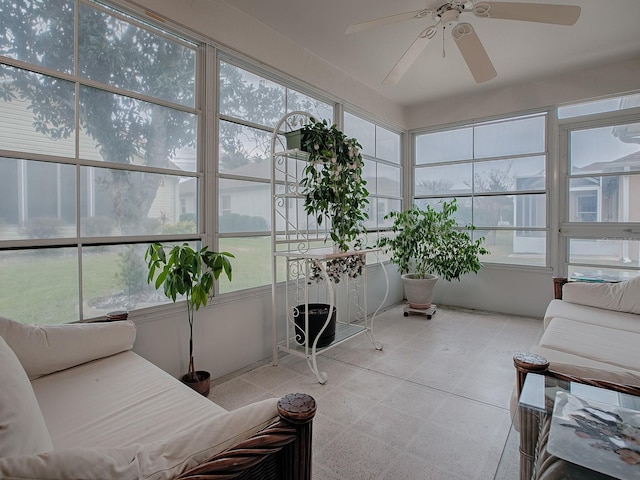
column 300, row 256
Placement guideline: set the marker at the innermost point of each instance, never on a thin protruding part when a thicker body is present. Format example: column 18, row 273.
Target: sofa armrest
column 533, row 363
column 558, row 283
column 44, row 349
column 282, row 450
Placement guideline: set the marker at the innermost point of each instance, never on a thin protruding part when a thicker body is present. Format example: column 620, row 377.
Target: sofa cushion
column 43, row 349
column 160, row 460
column 22, row 427
column 592, row 315
column 118, row 401
column 615, row 347
column 620, row 297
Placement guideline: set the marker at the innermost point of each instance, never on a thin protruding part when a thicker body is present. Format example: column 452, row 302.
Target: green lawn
column 42, row 286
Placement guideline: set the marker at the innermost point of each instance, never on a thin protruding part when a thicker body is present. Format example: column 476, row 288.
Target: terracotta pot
column 202, row 384
column 419, row 291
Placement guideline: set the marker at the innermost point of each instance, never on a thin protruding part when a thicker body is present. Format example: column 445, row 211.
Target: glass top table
column 568, row 430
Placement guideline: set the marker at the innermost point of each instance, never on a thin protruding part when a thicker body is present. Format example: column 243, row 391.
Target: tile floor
column 433, row 404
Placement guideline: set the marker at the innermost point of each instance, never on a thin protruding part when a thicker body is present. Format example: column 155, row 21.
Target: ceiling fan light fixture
column 450, row 17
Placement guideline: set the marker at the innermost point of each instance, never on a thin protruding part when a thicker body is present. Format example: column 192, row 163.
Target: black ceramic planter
column 318, row 313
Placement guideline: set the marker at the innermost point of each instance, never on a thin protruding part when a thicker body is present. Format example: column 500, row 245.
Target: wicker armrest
column 533, row 363
column 558, row 283
column 280, row 451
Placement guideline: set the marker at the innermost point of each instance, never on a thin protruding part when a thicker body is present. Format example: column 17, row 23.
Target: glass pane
column 294, row 214
column 300, row 102
column 37, row 113
column 115, row 278
column 510, row 175
column 445, row 180
column 38, row 200
column 387, row 145
column 514, row 247
column 52, row 273
column 252, row 265
column 509, row 210
column 605, row 149
column 447, row 146
column 599, row 106
column 383, row 207
column 115, row 52
column 248, row 96
column 38, row 32
column 116, row 202
column 126, row 130
column 369, row 174
column 462, row 215
column 604, row 252
column 361, row 130
column 388, row 180
column 371, row 223
column 513, row 137
column 244, row 150
column 595, row 274
column 604, row 199
column 244, row 206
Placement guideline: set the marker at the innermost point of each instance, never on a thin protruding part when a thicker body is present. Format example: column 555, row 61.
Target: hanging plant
column 332, row 182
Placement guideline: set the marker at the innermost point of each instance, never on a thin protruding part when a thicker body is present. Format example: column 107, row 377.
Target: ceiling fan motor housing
column 450, row 17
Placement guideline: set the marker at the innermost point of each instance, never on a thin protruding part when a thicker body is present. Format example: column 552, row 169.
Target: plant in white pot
column 192, row 274
column 429, row 243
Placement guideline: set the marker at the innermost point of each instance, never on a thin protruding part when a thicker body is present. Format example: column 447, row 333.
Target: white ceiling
column 607, row 31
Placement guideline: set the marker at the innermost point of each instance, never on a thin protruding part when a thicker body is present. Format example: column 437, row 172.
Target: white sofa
column 77, row 403
column 593, row 331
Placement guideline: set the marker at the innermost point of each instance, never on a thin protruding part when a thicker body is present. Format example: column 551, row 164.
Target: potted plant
column 332, row 182
column 192, row 273
column 431, row 244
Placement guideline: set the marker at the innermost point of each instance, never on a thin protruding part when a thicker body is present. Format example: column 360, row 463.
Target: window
column 382, row 168
column 497, row 172
column 600, row 234
column 98, row 156
column 250, row 106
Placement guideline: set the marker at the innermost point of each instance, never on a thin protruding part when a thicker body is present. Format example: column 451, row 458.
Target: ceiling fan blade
column 473, row 52
column 529, row 12
column 410, row 56
column 390, row 19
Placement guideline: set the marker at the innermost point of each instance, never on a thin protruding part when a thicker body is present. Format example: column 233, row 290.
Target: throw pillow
column 620, row 297
column 22, row 427
column 44, row 349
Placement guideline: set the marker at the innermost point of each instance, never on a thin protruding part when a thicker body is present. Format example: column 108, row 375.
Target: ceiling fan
column 446, row 14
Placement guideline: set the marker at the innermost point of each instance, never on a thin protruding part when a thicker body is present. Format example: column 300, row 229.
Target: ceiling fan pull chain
column 443, row 52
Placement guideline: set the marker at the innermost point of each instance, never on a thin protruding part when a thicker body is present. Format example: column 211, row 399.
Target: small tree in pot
column 431, row 243
column 191, row 273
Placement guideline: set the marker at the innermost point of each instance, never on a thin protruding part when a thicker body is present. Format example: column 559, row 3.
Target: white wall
column 609, row 79
column 231, row 334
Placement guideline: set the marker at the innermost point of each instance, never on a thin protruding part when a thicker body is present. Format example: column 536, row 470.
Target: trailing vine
column 332, row 182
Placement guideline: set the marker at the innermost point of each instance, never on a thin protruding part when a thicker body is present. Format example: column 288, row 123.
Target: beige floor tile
column 433, row 404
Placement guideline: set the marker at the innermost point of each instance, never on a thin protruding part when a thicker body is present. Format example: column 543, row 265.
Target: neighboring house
column 29, row 186
column 591, row 199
